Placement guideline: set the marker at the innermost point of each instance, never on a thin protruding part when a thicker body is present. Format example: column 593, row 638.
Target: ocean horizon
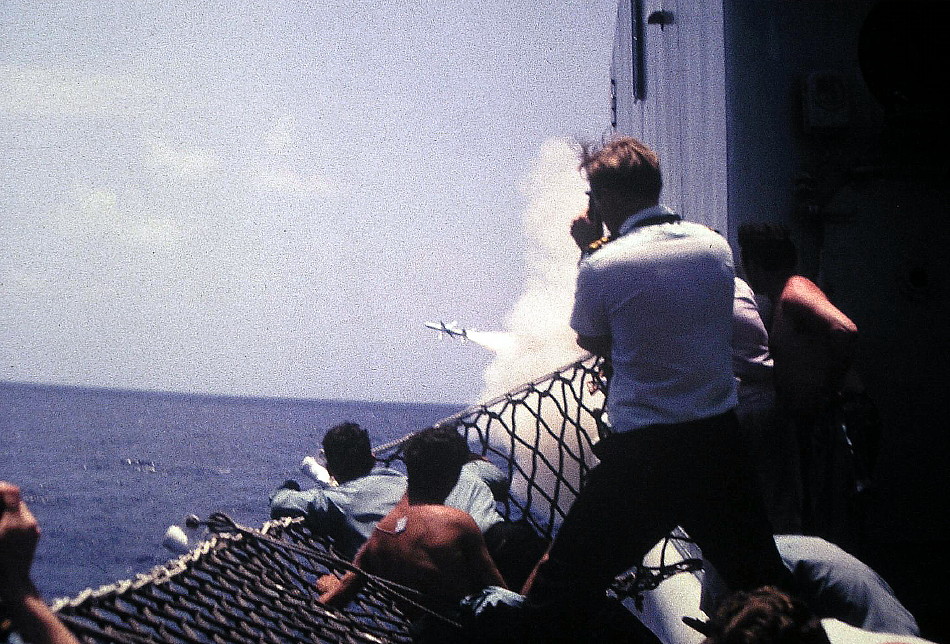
column 107, row 471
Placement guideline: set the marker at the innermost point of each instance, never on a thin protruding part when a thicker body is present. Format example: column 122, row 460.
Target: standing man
column 657, row 300
column 813, row 345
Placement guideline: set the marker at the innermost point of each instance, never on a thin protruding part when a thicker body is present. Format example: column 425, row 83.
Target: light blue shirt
column 473, row 493
column 349, row 512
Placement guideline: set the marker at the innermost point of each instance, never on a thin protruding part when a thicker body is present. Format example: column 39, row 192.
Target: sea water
column 107, row 472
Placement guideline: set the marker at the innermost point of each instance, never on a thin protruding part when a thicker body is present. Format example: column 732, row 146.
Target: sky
column 271, row 198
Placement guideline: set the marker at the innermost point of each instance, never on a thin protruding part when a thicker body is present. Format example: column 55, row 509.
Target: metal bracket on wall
column 661, row 18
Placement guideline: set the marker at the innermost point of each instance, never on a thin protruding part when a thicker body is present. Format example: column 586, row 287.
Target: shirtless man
column 813, row 347
column 812, row 341
column 432, row 548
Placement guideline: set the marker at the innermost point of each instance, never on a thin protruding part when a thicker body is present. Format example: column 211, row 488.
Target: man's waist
column 654, row 438
column 624, row 425
column 640, row 409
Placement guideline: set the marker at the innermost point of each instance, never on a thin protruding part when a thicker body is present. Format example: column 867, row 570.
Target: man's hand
column 19, row 533
column 327, row 583
column 585, row 230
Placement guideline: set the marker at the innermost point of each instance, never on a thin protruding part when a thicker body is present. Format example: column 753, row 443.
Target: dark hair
column 434, row 458
column 348, row 452
column 623, row 165
column 765, row 616
column 768, row 246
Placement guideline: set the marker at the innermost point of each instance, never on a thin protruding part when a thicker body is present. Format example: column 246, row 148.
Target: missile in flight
column 451, row 329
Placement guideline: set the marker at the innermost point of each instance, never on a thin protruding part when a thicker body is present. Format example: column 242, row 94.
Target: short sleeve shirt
column 663, row 293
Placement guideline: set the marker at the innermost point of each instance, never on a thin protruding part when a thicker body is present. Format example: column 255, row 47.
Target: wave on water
column 106, row 472
column 141, row 465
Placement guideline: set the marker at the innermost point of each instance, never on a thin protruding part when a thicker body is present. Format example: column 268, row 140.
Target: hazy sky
column 271, row 198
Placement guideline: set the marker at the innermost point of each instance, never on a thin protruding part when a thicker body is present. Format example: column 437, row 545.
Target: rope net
column 249, row 585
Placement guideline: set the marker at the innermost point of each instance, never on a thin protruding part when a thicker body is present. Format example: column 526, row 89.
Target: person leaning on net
column 432, row 548
column 365, row 491
column 362, row 491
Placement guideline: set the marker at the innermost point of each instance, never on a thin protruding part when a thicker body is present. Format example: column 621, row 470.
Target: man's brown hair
column 434, row 458
column 765, row 616
column 348, row 452
column 623, row 165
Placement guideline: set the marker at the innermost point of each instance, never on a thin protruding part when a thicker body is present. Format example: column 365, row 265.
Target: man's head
column 624, row 177
column 765, row 616
column 434, row 458
column 348, row 452
column 767, row 251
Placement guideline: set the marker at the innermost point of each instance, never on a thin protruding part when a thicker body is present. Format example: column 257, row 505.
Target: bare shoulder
column 806, row 302
column 802, row 294
column 442, row 524
column 446, row 514
column 799, row 286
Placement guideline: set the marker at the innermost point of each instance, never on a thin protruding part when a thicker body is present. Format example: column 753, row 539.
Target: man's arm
column 289, row 501
column 19, row 534
column 339, row 594
column 483, row 469
column 589, row 318
column 813, row 311
column 812, row 307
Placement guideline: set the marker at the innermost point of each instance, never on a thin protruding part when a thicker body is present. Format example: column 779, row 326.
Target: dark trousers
column 695, row 475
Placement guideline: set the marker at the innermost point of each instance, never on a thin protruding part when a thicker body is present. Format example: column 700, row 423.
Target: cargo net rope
column 251, row 585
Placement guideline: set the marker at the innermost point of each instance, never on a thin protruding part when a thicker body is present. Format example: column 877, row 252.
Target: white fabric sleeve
column 588, row 316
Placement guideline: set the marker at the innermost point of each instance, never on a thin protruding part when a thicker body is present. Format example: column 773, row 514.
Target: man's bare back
column 435, row 549
column 432, row 548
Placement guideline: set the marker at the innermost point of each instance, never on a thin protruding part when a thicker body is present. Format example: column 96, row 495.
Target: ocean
column 106, row 472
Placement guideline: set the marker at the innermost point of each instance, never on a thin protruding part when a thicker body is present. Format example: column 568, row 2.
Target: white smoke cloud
column 537, row 338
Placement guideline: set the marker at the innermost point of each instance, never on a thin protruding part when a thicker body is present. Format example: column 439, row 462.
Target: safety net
column 245, row 584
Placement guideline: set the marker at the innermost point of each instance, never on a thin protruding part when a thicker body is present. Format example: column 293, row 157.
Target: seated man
column 434, row 549
column 834, row 584
column 365, row 493
column 349, row 510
